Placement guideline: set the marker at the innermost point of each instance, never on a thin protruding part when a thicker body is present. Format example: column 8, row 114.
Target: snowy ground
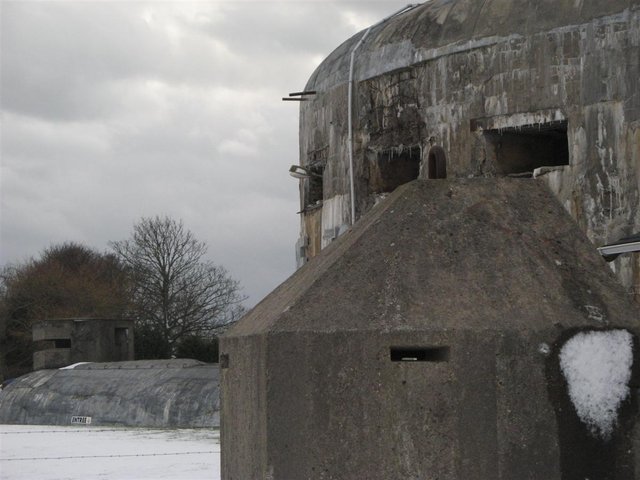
column 80, row 453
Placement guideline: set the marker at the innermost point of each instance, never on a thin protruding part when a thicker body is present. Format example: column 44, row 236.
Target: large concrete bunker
column 545, row 88
column 437, row 339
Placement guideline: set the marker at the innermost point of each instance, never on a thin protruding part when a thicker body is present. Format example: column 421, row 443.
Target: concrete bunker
column 60, row 342
column 145, row 393
column 408, row 349
column 551, row 84
column 491, row 267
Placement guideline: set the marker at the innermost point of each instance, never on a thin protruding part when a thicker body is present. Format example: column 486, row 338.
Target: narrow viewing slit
column 419, row 354
column 62, row 343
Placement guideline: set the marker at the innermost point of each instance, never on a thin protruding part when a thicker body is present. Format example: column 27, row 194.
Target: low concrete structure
column 145, row 393
column 61, row 342
column 449, row 334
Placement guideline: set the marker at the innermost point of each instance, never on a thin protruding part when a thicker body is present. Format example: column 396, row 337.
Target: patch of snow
column 379, row 197
column 71, row 367
column 597, row 367
column 30, row 452
column 544, row 349
column 595, row 313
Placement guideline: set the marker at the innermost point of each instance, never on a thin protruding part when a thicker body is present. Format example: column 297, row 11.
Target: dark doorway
column 437, row 163
column 122, row 344
column 523, row 149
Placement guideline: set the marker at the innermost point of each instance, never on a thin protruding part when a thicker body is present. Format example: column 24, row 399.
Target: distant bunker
column 60, row 342
column 146, row 393
column 463, row 329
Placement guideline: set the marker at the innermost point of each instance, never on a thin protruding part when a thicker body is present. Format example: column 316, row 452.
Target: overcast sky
column 114, row 110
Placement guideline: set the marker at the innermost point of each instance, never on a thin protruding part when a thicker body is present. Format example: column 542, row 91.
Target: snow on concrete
column 72, row 453
column 71, row 367
column 597, row 367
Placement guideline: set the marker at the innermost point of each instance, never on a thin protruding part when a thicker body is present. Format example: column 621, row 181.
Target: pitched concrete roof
column 474, row 254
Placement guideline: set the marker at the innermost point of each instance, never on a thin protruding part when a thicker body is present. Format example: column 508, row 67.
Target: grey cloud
column 116, row 110
column 76, row 63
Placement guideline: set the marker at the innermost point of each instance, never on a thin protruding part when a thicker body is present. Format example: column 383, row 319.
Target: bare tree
column 3, row 335
column 176, row 292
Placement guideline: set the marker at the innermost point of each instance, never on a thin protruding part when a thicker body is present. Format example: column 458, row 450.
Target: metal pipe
column 306, row 92
column 350, row 101
column 619, row 248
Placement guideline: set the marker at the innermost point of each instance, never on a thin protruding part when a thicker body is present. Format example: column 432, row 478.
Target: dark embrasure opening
column 419, row 354
column 525, row 148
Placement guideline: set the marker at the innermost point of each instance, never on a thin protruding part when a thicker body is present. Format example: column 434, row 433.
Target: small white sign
column 81, row 420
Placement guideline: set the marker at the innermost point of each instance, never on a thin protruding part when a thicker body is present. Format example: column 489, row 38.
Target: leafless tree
column 3, row 335
column 176, row 292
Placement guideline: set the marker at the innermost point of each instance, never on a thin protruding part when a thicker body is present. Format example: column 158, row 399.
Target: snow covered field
column 78, row 453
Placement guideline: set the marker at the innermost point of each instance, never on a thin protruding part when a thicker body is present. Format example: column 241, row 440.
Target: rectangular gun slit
column 419, row 354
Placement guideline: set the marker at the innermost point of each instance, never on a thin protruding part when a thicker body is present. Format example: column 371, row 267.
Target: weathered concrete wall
column 149, row 393
column 493, row 269
column 51, row 329
column 449, row 71
column 245, row 428
column 52, row 358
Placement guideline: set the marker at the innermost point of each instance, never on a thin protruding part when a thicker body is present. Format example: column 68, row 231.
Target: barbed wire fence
column 206, row 452
column 97, row 431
